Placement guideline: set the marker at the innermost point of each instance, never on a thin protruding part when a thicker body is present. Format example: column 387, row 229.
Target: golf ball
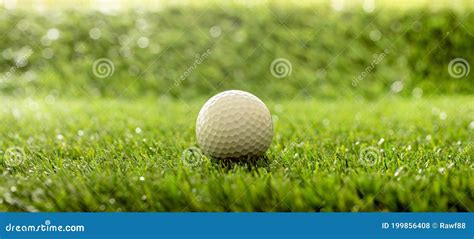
column 234, row 124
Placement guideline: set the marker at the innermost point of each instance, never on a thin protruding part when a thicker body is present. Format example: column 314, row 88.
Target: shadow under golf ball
column 248, row 162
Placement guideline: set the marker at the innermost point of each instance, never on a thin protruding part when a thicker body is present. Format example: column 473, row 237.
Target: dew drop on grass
column 443, row 116
column 381, row 141
column 471, row 125
column 398, row 171
column 375, row 35
column 95, row 33
column 48, row 182
column 52, row 34
column 397, row 86
column 143, row 42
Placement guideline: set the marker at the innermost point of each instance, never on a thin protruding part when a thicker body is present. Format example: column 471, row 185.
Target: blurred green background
column 49, row 49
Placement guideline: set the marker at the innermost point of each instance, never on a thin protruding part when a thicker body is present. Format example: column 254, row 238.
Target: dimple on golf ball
column 234, row 124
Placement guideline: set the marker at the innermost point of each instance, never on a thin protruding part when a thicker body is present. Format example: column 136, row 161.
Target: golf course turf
column 390, row 154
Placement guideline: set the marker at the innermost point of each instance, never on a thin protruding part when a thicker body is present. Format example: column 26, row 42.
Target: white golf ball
column 234, row 124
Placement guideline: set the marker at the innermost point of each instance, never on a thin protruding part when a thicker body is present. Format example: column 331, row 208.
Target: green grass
column 398, row 140
column 423, row 161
